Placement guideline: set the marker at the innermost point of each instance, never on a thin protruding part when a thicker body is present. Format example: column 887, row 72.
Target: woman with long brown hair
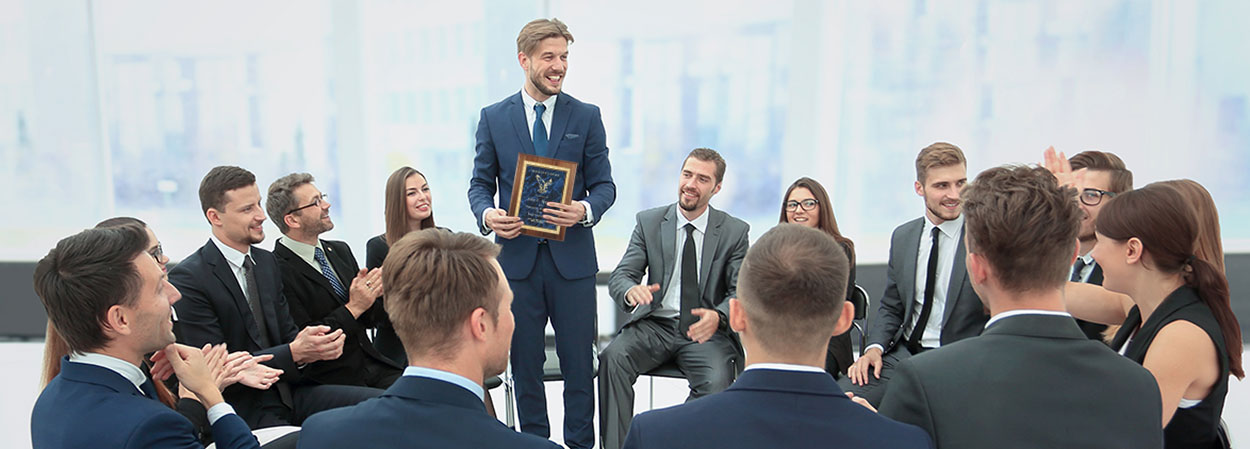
column 409, row 207
column 806, row 203
column 1177, row 320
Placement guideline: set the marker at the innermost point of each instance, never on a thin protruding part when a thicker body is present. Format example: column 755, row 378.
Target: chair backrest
column 859, row 297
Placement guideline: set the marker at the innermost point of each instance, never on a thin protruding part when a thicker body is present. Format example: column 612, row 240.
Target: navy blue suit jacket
column 92, row 406
column 416, row 412
column 576, row 135
column 773, row 408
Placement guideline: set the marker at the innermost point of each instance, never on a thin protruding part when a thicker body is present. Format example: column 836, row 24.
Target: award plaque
column 539, row 180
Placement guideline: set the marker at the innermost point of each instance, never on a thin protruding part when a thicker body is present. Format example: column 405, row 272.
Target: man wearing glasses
column 1105, row 177
column 232, row 293
column 324, row 285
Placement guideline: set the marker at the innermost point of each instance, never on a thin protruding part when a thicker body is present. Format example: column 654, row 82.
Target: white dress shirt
column 133, row 374
column 785, row 367
column 670, row 303
column 1011, row 313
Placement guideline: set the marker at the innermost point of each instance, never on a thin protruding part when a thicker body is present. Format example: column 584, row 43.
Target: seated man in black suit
column 232, row 293
column 109, row 301
column 1031, row 379
column 791, row 295
column 324, row 285
column 450, row 304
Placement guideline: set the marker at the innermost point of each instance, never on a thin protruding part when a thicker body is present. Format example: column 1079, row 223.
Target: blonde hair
column 538, row 30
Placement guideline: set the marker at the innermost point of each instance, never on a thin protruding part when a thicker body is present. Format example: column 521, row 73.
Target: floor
column 23, row 388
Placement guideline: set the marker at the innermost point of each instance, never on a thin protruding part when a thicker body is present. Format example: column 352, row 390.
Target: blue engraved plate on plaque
column 540, row 185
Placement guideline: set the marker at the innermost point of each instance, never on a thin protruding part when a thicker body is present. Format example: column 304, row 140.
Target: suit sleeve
column 905, row 400
column 482, row 187
column 732, row 266
column 171, row 430
column 632, row 267
column 597, row 168
column 375, row 252
column 891, row 309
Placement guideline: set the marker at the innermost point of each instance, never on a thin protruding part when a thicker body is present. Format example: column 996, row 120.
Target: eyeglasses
column 808, row 204
column 157, row 252
column 1091, row 197
column 316, row 202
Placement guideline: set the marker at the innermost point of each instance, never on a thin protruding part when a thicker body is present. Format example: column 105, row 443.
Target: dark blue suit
column 414, row 412
column 92, row 406
column 773, row 408
column 549, row 279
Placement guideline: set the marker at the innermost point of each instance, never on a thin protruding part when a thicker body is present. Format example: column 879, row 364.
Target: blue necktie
column 329, row 273
column 540, row 130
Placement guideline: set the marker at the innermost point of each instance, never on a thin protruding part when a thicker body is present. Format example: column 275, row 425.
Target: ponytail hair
column 1159, row 216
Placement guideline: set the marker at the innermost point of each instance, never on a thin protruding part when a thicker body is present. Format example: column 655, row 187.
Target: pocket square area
column 571, row 136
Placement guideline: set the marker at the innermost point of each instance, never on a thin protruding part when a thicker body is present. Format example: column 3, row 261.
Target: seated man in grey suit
column 927, row 301
column 451, row 306
column 690, row 253
column 791, row 300
column 1031, row 379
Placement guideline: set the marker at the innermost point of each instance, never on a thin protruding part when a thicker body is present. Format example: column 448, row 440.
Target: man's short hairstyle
column 1024, row 224
column 434, row 281
column 709, row 155
column 937, row 155
column 220, row 180
column 1121, row 177
column 85, row 275
column 793, row 285
column 281, row 198
column 539, row 29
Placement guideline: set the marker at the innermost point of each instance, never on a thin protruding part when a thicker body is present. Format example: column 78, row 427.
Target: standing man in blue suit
column 437, row 403
column 791, row 299
column 110, row 300
column 551, row 279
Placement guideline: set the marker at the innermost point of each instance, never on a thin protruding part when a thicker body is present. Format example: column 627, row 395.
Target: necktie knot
column 689, row 229
column 539, row 109
column 318, row 254
column 247, row 262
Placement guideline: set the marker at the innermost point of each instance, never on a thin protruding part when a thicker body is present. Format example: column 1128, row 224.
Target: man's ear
column 292, row 222
column 844, row 319
column 478, row 324
column 214, row 216
column 737, row 316
column 919, row 188
column 978, row 268
column 117, row 321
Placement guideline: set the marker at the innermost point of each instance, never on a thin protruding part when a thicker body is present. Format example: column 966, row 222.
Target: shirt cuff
column 218, row 411
column 874, row 345
column 589, row 219
column 486, row 230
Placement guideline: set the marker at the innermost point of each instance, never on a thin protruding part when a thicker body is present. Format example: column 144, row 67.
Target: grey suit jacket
column 652, row 250
column 1028, row 381
column 964, row 315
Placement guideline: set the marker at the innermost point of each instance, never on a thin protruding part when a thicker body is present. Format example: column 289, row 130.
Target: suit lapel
column 959, row 272
column 225, row 273
column 517, row 112
column 299, row 265
column 1095, row 275
column 668, row 246
column 559, row 121
column 265, row 287
column 907, row 284
column 711, row 240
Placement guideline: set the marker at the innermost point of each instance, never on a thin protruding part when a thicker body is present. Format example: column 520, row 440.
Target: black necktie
column 930, row 280
column 1077, row 269
column 253, row 299
column 689, row 282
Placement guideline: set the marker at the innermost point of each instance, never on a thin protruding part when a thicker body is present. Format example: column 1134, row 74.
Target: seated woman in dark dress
column 409, row 207
column 806, row 203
